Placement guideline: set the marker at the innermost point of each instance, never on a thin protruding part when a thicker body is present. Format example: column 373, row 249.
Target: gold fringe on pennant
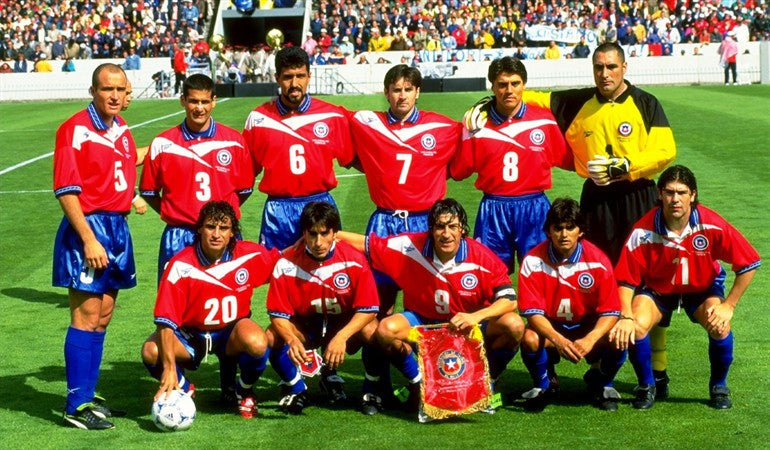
column 440, row 413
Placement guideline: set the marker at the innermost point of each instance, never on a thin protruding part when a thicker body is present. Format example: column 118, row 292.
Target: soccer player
column 204, row 306
column 295, row 139
column 446, row 277
column 513, row 155
column 192, row 163
column 138, row 203
column 322, row 294
column 404, row 153
column 94, row 178
column 620, row 138
column 671, row 259
column 568, row 293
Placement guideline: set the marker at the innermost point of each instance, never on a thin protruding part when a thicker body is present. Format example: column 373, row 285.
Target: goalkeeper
column 621, row 139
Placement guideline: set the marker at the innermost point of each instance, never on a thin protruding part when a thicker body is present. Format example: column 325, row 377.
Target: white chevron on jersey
column 195, row 151
column 533, row 264
column 300, row 121
column 82, row 134
column 289, row 269
column 404, row 245
column 211, row 275
column 259, row 120
column 465, row 267
column 371, row 120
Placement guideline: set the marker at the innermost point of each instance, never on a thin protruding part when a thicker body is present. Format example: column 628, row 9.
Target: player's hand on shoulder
column 476, row 116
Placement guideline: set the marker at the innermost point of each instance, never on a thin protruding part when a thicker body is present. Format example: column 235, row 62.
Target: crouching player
column 568, row 293
column 322, row 294
column 204, row 304
column 671, row 258
column 446, row 277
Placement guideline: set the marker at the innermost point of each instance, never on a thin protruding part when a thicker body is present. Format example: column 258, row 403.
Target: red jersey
column 296, row 148
column 195, row 293
column 187, row 170
column 405, row 162
column 671, row 264
column 305, row 287
column 95, row 160
column 473, row 280
column 513, row 155
column 574, row 290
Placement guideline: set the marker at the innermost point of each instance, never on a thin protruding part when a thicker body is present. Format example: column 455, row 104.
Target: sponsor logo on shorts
column 469, row 281
column 224, row 157
column 585, row 280
column 341, row 280
column 451, row 364
column 537, row 136
column 321, row 129
column 700, row 242
column 428, row 141
column 241, row 276
column 625, row 129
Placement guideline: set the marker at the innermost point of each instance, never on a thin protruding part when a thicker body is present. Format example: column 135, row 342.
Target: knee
column 255, row 343
column 530, row 342
column 150, row 352
column 513, row 326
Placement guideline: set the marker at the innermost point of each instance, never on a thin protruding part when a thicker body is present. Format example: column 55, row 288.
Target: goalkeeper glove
column 604, row 171
column 475, row 117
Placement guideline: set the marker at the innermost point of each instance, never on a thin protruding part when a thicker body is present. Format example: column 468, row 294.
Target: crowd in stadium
column 340, row 31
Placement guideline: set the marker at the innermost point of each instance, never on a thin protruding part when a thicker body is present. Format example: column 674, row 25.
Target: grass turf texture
column 721, row 132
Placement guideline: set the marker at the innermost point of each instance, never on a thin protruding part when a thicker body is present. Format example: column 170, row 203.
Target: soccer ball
column 174, row 413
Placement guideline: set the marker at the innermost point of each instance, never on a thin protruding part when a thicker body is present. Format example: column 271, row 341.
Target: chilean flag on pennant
column 455, row 371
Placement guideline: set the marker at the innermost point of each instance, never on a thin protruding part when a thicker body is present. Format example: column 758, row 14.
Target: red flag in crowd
column 455, row 372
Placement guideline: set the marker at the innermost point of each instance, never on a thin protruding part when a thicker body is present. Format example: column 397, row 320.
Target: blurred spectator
column 132, row 61
column 20, row 65
column 377, row 43
column 179, row 64
column 42, row 64
column 582, row 50
column 346, row 47
column 190, row 14
column 448, row 42
column 324, row 40
column 520, row 55
column 399, row 42
column 310, row 44
column 199, row 62
column 484, row 40
column 5, row 68
column 68, row 66
column 233, row 74
column 553, row 51
column 318, row 58
column 335, row 55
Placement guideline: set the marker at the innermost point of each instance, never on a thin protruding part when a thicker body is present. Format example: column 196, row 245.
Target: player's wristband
column 136, row 197
column 622, row 317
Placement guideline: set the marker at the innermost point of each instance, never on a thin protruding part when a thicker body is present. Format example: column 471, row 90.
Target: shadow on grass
column 58, row 299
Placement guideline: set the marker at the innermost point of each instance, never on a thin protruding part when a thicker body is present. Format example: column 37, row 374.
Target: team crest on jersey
column 224, row 157
column 700, row 242
column 341, row 281
column 537, row 136
column 585, row 280
column 625, row 129
column 469, row 281
column 321, row 130
column 241, row 276
column 428, row 141
column 451, row 364
column 125, row 143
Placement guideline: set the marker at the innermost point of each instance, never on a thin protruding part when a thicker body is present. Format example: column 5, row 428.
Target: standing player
column 446, row 278
column 94, row 179
column 568, row 293
column 204, row 306
column 620, row 138
column 138, row 203
column 513, row 155
column 688, row 240
column 192, row 163
column 322, row 293
column 404, row 153
column 295, row 138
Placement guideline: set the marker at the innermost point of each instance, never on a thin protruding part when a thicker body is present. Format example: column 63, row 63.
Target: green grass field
column 721, row 132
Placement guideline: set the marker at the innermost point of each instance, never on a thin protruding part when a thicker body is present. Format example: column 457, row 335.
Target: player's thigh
column 151, row 349
column 646, row 314
column 246, row 337
column 509, row 328
column 85, row 309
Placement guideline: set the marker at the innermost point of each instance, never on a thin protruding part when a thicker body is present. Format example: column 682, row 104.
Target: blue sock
column 77, row 362
column 375, row 366
column 228, row 369
column 611, row 360
column 156, row 370
column 97, row 350
column 286, row 369
column 252, row 367
column 537, row 365
column 721, row 357
column 641, row 358
column 498, row 361
column 407, row 365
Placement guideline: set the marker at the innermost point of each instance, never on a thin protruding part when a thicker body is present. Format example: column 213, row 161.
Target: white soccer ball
column 174, row 413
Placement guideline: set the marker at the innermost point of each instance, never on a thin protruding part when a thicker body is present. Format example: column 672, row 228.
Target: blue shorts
column 386, row 222
column 280, row 219
column 69, row 266
column 667, row 303
column 172, row 241
column 200, row 344
column 511, row 226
